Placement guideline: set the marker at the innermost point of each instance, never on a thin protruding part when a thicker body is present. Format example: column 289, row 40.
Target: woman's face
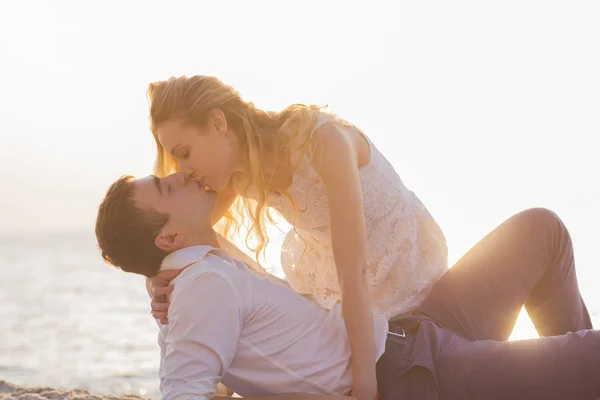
column 210, row 152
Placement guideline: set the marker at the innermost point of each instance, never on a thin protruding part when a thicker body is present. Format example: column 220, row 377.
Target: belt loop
column 399, row 334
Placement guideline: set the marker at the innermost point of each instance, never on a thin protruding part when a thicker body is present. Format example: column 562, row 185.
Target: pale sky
column 484, row 108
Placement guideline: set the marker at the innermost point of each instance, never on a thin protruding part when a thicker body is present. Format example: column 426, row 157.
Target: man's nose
column 178, row 179
column 186, row 170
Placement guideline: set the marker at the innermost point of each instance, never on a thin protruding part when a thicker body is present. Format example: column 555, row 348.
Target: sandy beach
column 9, row 391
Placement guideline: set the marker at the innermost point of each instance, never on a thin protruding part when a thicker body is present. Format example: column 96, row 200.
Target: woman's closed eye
column 181, row 153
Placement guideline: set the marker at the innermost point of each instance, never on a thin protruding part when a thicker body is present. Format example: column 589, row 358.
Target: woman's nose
column 188, row 173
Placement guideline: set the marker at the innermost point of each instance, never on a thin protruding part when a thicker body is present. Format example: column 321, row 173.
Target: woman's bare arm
column 337, row 160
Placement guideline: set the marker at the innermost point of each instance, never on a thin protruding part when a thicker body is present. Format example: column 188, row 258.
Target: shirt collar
column 189, row 255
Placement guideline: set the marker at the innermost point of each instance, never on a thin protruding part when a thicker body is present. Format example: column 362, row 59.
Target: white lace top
column 406, row 250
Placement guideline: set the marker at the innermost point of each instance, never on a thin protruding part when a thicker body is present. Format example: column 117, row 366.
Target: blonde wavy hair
column 277, row 135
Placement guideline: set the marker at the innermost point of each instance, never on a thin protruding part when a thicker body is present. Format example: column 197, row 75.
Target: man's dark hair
column 126, row 233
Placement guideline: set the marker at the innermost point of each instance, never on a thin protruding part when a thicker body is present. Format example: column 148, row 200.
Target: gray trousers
column 455, row 345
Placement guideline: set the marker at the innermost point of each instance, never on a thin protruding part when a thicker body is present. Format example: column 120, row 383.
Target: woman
column 360, row 236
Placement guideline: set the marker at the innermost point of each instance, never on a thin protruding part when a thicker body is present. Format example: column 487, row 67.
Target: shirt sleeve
column 205, row 321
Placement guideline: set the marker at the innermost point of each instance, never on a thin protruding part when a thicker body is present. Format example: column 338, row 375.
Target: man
column 247, row 330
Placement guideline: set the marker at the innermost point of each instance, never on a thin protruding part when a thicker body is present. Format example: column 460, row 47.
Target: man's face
column 188, row 204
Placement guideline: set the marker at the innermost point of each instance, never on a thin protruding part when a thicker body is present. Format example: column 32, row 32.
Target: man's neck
column 208, row 239
column 204, row 239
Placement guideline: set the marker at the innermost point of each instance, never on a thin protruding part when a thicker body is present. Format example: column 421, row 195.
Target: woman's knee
column 541, row 214
column 543, row 219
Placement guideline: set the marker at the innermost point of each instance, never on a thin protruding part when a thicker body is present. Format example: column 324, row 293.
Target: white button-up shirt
column 256, row 335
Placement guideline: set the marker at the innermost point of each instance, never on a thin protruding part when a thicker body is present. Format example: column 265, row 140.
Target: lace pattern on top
column 405, row 251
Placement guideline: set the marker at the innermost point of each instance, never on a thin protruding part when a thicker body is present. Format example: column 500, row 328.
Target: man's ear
column 169, row 242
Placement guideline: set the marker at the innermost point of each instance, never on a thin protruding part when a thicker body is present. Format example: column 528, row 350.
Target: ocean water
column 69, row 320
